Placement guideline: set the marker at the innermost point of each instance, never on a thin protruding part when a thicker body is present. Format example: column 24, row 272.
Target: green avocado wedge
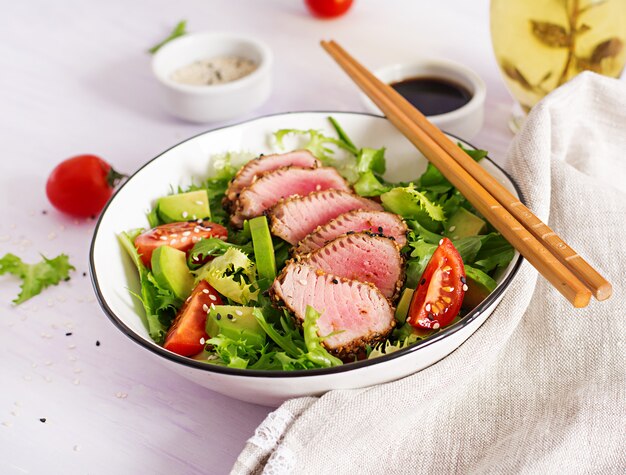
column 464, row 223
column 184, row 207
column 170, row 270
column 479, row 286
column 236, row 323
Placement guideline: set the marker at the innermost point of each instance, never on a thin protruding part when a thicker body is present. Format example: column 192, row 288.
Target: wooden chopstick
column 598, row 285
column 532, row 249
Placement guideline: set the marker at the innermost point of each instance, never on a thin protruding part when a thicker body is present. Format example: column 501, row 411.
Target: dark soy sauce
column 433, row 96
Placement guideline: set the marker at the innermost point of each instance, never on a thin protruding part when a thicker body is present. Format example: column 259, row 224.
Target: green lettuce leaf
column 316, row 351
column 160, row 304
column 495, row 253
column 36, row 277
column 212, row 247
column 232, row 274
column 409, row 202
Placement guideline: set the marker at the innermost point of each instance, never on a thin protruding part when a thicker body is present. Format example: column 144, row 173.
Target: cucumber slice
column 263, row 249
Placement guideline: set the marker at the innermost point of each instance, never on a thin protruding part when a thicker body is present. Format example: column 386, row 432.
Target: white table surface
column 76, row 79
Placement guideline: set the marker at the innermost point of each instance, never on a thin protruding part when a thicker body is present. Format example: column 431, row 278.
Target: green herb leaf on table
column 179, row 30
column 36, row 277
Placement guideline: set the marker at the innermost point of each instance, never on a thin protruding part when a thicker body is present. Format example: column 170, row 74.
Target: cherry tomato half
column 439, row 294
column 181, row 236
column 189, row 328
column 81, row 185
column 328, row 8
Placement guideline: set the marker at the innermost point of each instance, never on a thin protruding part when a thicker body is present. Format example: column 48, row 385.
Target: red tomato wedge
column 187, row 334
column 439, row 294
column 181, row 236
column 328, row 8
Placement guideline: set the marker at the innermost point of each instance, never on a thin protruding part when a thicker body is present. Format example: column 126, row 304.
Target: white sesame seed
column 318, row 187
column 7, row 423
column 212, row 357
column 77, row 370
column 184, row 240
column 163, row 238
column 205, row 291
column 193, row 216
column 212, row 306
column 185, row 214
column 52, row 236
column 436, row 326
column 465, row 287
column 440, row 242
column 173, row 241
column 48, row 363
column 427, row 307
column 202, row 341
column 452, row 228
column 302, row 282
column 76, row 448
column 186, row 233
column 121, row 395
column 199, row 202
column 213, row 298
column 205, row 307
column 17, row 404
column 196, row 229
column 15, row 413
column 199, row 221
column 174, row 235
column 239, row 312
column 76, row 382
column 71, row 347
column 234, row 319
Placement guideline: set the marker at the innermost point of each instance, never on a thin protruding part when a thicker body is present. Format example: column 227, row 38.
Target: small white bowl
column 214, row 102
column 466, row 121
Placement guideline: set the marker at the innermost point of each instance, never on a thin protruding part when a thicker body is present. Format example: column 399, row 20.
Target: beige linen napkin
column 540, row 387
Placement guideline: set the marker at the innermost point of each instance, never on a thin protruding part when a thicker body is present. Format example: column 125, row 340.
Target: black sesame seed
column 44, row 212
column 392, row 238
column 84, row 274
column 229, row 316
column 423, row 282
column 66, row 279
column 97, row 342
column 43, row 420
column 350, row 232
column 380, row 229
column 335, row 281
column 463, row 279
column 430, row 316
column 218, row 75
column 68, row 334
column 219, row 316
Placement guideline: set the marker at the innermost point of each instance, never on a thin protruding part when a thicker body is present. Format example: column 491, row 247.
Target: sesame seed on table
column 77, row 395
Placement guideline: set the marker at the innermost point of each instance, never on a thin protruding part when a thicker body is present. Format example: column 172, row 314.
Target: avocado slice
column 184, row 206
column 235, row 322
column 170, row 270
column 402, row 310
column 263, row 248
column 464, row 223
column 479, row 286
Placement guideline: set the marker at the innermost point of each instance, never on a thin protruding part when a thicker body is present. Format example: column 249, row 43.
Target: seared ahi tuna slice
column 355, row 313
column 377, row 222
column 246, row 174
column 272, row 186
column 294, row 218
column 364, row 257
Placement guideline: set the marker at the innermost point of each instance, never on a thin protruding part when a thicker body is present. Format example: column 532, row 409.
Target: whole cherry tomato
column 328, row 8
column 81, row 185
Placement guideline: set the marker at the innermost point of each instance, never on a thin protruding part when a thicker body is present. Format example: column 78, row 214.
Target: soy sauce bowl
column 467, row 120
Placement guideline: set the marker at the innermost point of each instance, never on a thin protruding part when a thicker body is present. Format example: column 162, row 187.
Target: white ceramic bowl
column 466, row 121
column 218, row 101
column 113, row 273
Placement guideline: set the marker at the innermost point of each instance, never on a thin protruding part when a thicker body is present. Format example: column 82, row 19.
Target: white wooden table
column 76, row 79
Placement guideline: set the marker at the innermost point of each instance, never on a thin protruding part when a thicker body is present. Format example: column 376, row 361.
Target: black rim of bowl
column 160, row 351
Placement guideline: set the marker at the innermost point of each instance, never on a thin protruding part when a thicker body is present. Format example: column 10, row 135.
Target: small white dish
column 465, row 121
column 113, row 274
column 214, row 102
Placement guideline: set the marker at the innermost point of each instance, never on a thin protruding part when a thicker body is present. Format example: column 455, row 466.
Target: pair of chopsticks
column 569, row 273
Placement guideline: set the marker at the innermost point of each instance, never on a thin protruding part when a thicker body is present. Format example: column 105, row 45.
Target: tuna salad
column 310, row 258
